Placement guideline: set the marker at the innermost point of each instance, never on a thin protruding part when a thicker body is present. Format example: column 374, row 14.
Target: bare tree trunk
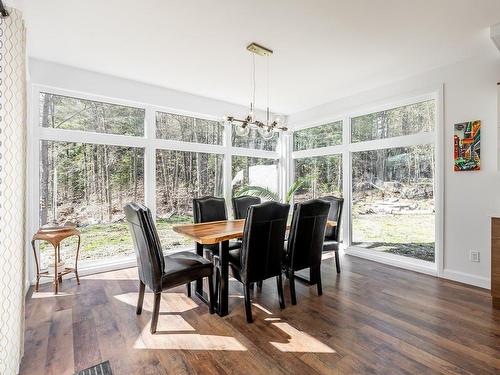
column 44, row 192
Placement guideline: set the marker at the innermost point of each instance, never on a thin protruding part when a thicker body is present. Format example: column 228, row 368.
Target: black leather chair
column 157, row 271
column 241, row 205
column 262, row 248
column 332, row 233
column 305, row 241
column 206, row 209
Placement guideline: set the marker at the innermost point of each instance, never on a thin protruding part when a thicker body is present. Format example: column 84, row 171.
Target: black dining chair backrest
column 147, row 246
column 307, row 233
column 335, row 214
column 209, row 209
column 241, row 205
column 263, row 238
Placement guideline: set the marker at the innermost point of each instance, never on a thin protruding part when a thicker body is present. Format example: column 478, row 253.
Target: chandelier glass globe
column 266, row 132
column 242, row 130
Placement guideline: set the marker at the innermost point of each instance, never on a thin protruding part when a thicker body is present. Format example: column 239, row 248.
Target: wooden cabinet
column 495, row 261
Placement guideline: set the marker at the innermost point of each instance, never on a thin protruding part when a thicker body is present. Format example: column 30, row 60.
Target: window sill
column 411, row 264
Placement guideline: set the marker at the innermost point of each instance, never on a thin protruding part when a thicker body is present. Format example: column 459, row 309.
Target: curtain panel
column 12, row 189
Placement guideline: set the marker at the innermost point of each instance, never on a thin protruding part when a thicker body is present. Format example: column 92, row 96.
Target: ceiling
column 324, row 49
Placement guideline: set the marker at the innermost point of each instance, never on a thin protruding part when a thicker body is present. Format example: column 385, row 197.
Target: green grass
column 102, row 241
column 409, row 235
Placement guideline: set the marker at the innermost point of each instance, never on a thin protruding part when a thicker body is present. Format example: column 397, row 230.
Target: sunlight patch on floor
column 39, row 295
column 170, row 302
column 186, row 341
column 262, row 308
column 299, row 341
column 173, row 323
column 128, row 274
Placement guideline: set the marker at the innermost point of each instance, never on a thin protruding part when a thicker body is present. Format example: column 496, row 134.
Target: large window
column 318, row 136
column 255, row 176
column 391, row 177
column 393, row 201
column 322, row 176
column 180, row 177
column 94, row 156
column 393, row 188
column 87, row 185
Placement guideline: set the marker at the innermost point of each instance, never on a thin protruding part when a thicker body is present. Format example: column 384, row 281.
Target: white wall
column 70, row 78
column 470, row 93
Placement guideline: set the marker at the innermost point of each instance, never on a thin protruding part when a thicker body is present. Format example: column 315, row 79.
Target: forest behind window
column 318, row 136
column 396, row 122
column 323, row 174
column 188, row 129
column 64, row 112
column 180, row 177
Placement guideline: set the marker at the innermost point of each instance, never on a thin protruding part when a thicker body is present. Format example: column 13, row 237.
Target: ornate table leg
column 76, row 261
column 37, row 266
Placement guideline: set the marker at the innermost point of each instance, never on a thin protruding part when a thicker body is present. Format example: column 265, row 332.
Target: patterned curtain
column 12, row 189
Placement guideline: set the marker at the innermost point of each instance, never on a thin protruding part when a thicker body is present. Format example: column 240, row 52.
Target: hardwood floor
column 372, row 319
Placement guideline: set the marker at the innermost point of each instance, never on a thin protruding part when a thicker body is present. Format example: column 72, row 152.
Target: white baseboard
column 104, row 265
column 91, row 268
column 467, row 278
column 419, row 266
column 411, row 264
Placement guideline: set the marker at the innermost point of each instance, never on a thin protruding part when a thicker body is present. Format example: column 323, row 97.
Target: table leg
column 200, row 293
column 76, row 261
column 37, row 266
column 222, row 309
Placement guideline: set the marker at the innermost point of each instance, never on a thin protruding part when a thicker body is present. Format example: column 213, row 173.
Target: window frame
column 149, row 142
column 346, row 150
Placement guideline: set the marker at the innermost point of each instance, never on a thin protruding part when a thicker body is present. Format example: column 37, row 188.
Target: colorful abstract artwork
column 467, row 146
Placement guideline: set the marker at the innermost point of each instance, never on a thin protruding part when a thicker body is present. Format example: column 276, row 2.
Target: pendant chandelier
column 267, row 127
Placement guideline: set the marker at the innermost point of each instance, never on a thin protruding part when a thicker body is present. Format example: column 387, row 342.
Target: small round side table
column 54, row 235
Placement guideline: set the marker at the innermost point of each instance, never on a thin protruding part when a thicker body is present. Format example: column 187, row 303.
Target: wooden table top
column 217, row 231
column 55, row 235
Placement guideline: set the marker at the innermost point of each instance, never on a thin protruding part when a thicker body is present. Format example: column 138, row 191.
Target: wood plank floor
column 372, row 319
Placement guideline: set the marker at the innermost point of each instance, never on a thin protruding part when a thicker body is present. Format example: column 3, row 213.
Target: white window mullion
column 323, row 151
column 79, row 136
column 150, row 161
column 227, row 168
column 285, row 161
column 402, row 141
column 346, row 184
column 167, row 144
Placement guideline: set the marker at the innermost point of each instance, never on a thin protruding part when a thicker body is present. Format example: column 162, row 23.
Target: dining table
column 219, row 232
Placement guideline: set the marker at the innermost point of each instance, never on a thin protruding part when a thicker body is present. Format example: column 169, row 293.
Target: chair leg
column 337, row 261
column 259, row 284
column 211, row 295
column 292, row 287
column 188, row 287
column 279, row 283
column 156, row 312
column 140, row 300
column 318, row 283
column 248, row 304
